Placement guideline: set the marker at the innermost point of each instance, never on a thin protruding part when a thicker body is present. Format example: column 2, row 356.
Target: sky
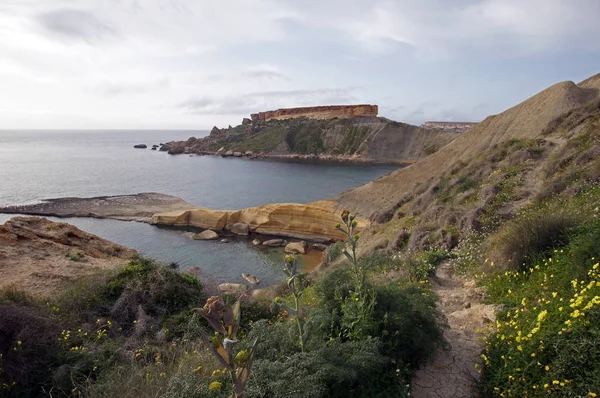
column 192, row 64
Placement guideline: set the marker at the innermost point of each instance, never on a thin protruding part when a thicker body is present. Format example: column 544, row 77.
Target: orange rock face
column 318, row 112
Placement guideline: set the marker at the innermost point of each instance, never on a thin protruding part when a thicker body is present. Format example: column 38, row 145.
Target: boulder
column 221, row 150
column 246, row 121
column 141, row 146
column 176, row 149
column 233, row 288
column 319, row 246
column 251, row 279
column 215, row 130
column 154, row 148
column 164, row 147
column 237, row 154
column 240, row 228
column 249, row 153
column 296, row 247
column 225, row 240
column 273, row 242
column 206, row 235
column 228, row 153
column 256, row 242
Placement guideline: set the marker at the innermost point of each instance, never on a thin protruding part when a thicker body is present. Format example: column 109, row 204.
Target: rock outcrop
column 42, row 257
column 317, row 112
column 313, row 221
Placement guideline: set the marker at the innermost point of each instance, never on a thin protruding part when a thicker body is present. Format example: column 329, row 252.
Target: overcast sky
column 198, row 63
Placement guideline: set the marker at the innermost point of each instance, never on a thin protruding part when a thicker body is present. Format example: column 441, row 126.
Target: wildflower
column 555, row 382
column 547, row 368
column 215, row 386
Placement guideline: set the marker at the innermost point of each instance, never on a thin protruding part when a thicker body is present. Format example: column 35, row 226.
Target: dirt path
column 452, row 373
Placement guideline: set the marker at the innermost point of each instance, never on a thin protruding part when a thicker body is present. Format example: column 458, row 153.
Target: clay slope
column 523, row 121
column 42, row 257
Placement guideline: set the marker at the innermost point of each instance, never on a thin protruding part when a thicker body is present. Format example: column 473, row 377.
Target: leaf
column 348, row 256
column 237, row 314
column 214, row 351
column 216, row 324
column 243, row 373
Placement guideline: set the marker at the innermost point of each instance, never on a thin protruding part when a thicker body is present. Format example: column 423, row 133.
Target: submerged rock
column 273, row 242
column 251, row 279
column 233, row 288
column 206, row 235
column 296, row 247
column 319, row 246
column 141, row 146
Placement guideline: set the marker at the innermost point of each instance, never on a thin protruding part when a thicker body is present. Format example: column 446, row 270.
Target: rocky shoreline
column 354, row 159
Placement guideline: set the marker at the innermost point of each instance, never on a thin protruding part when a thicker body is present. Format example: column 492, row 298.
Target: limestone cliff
column 312, row 221
column 317, row 112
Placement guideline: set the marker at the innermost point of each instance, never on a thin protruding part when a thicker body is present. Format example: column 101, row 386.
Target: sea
column 42, row 164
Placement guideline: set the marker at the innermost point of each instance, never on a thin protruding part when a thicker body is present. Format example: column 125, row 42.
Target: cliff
column 317, row 112
column 362, row 138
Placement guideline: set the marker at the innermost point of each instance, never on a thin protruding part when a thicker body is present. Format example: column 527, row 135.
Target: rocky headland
column 330, row 133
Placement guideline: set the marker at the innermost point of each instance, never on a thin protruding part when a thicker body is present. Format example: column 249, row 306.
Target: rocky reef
column 313, row 221
column 317, row 112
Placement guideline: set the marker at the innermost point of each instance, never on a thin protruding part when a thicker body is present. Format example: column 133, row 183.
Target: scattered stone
column 206, row 235
column 251, row 279
column 154, row 148
column 141, row 146
column 256, row 242
column 233, row 288
column 225, row 240
column 228, row 153
column 319, row 246
column 296, row 247
column 237, row 154
column 273, row 242
column 240, row 228
column 249, row 153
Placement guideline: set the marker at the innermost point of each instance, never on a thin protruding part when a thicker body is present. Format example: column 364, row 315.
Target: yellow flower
column 547, row 368
column 215, row 386
column 555, row 382
column 520, row 348
column 591, row 394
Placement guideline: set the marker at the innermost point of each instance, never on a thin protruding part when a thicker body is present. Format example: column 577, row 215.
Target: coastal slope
column 41, row 257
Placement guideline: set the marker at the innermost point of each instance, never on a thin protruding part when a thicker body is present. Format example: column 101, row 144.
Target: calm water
column 36, row 165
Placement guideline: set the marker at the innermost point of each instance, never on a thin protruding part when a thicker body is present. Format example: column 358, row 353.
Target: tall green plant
column 297, row 284
column 225, row 320
column 359, row 305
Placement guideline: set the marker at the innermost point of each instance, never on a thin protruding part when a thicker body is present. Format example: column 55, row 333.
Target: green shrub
column 534, row 230
column 547, row 340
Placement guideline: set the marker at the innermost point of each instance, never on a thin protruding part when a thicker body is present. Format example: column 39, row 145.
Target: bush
column 534, row 230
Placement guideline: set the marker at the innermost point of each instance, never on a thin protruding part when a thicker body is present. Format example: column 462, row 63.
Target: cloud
column 264, row 74
column 434, row 28
column 132, row 88
column 73, row 24
column 265, row 100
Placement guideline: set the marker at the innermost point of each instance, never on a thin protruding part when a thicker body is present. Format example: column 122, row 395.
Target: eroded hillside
column 486, row 174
